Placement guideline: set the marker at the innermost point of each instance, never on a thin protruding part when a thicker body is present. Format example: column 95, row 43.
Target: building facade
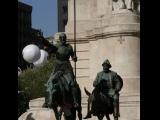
column 62, row 14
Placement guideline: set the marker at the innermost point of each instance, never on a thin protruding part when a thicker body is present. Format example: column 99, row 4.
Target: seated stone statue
column 126, row 4
column 118, row 4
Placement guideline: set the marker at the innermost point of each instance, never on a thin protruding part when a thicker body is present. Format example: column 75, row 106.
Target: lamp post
column 75, row 35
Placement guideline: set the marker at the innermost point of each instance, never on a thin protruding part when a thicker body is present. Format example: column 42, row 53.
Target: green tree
column 32, row 82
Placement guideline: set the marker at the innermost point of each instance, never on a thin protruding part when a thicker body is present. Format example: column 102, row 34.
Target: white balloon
column 31, row 53
column 42, row 59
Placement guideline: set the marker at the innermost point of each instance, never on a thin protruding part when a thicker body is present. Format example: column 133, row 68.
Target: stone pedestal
column 36, row 112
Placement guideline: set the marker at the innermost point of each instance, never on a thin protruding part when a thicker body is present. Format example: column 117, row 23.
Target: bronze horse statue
column 63, row 98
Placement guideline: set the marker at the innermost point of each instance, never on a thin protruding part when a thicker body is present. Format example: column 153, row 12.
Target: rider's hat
column 107, row 62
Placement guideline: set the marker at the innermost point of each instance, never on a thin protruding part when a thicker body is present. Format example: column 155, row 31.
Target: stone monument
column 104, row 32
column 36, row 112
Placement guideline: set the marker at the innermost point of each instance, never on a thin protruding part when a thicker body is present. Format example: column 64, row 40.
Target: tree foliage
column 33, row 80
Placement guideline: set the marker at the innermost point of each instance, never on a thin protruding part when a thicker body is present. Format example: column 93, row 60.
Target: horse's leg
column 100, row 117
column 115, row 118
column 107, row 116
column 79, row 110
column 72, row 116
column 56, row 113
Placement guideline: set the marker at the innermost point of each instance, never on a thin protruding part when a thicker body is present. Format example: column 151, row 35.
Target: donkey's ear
column 87, row 92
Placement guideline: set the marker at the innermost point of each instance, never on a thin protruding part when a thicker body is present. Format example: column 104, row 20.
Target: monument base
column 36, row 112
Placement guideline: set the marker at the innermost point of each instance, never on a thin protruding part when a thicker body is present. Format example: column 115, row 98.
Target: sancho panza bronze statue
column 108, row 83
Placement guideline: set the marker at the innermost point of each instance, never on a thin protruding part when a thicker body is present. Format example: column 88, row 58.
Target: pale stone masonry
column 36, row 112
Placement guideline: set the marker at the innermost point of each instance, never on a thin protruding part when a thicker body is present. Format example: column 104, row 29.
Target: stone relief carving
column 132, row 5
column 118, row 4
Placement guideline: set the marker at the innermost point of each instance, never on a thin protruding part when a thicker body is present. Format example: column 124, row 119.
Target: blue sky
column 44, row 15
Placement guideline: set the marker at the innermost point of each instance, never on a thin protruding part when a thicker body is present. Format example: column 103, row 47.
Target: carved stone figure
column 118, row 4
column 130, row 4
column 126, row 4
